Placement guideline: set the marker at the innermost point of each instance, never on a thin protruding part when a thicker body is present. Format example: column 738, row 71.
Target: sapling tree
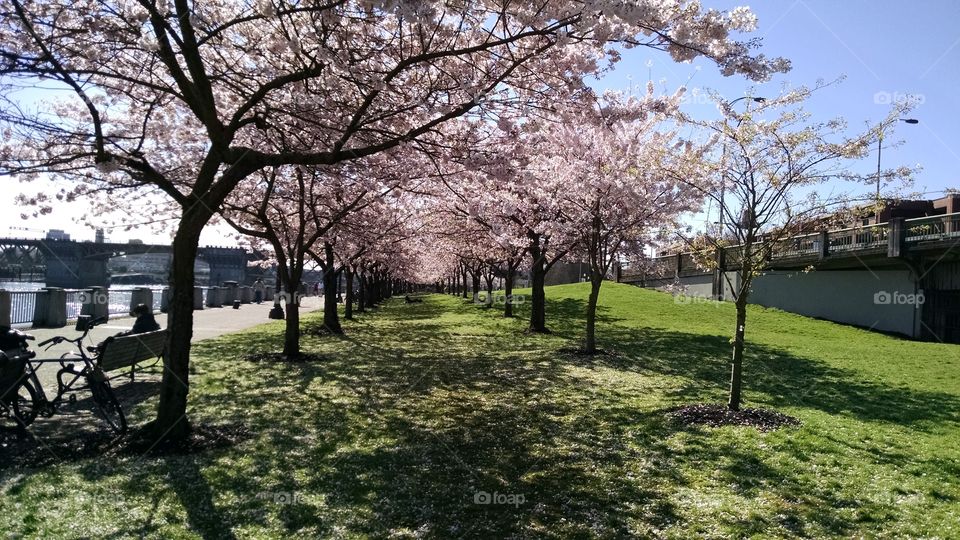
column 778, row 172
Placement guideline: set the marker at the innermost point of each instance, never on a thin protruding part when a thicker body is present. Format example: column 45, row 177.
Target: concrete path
column 207, row 323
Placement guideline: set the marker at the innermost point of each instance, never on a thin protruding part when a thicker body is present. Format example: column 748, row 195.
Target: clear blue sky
column 886, row 49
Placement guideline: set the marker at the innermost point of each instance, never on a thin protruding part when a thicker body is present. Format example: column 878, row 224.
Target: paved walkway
column 207, row 323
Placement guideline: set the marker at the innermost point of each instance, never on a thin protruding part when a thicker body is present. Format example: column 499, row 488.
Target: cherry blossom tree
column 608, row 160
column 182, row 101
column 294, row 208
column 373, row 242
column 779, row 174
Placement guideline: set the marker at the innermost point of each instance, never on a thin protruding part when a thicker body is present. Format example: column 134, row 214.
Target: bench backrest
column 125, row 351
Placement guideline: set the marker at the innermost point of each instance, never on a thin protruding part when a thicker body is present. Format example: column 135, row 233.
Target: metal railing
column 798, row 246
column 932, row 228
column 867, row 237
column 75, row 299
column 22, row 305
column 119, row 303
column 858, row 238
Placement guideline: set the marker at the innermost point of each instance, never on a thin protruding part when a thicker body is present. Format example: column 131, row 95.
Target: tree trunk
column 171, row 423
column 464, row 276
column 538, row 309
column 361, row 293
column 371, row 290
column 348, row 299
column 595, row 282
column 736, row 368
column 336, row 280
column 291, row 336
column 489, row 279
column 508, row 293
column 331, row 320
column 476, row 286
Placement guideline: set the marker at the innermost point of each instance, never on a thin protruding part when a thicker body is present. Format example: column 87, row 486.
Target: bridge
column 73, row 265
column 902, row 276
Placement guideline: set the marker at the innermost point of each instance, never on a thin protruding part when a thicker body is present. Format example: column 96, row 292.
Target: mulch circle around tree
column 280, row 357
column 25, row 451
column 716, row 415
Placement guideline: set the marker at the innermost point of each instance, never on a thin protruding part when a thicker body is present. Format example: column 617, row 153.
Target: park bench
column 119, row 352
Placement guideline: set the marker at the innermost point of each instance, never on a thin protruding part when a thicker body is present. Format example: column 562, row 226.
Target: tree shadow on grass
column 413, row 422
column 772, row 376
column 402, row 431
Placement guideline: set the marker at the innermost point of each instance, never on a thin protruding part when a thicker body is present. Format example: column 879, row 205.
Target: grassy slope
column 423, row 405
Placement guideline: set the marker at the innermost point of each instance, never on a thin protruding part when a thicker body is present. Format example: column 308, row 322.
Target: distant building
column 57, row 234
column 908, row 209
column 99, row 237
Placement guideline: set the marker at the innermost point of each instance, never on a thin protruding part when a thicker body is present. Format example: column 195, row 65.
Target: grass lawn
column 423, row 408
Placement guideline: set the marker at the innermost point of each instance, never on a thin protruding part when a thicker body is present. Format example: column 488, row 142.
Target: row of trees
column 599, row 179
column 582, row 180
column 382, row 140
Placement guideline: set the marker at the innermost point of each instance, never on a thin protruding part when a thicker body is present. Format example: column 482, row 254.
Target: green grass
column 421, row 406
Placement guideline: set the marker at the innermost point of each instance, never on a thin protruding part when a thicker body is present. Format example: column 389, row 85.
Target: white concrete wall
column 852, row 297
column 701, row 286
column 849, row 297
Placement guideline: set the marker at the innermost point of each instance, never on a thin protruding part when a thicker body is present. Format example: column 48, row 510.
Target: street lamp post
column 880, row 149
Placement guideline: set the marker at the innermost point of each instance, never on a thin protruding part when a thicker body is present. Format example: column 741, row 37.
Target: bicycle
column 27, row 399
column 17, row 394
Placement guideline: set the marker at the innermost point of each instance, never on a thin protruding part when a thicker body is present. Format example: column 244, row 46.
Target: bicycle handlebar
column 55, row 340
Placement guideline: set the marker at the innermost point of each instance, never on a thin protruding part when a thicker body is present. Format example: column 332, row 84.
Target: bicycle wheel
column 107, row 405
column 25, row 404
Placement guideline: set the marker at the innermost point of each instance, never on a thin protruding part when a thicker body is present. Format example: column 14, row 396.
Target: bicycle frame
column 93, row 379
column 66, row 362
